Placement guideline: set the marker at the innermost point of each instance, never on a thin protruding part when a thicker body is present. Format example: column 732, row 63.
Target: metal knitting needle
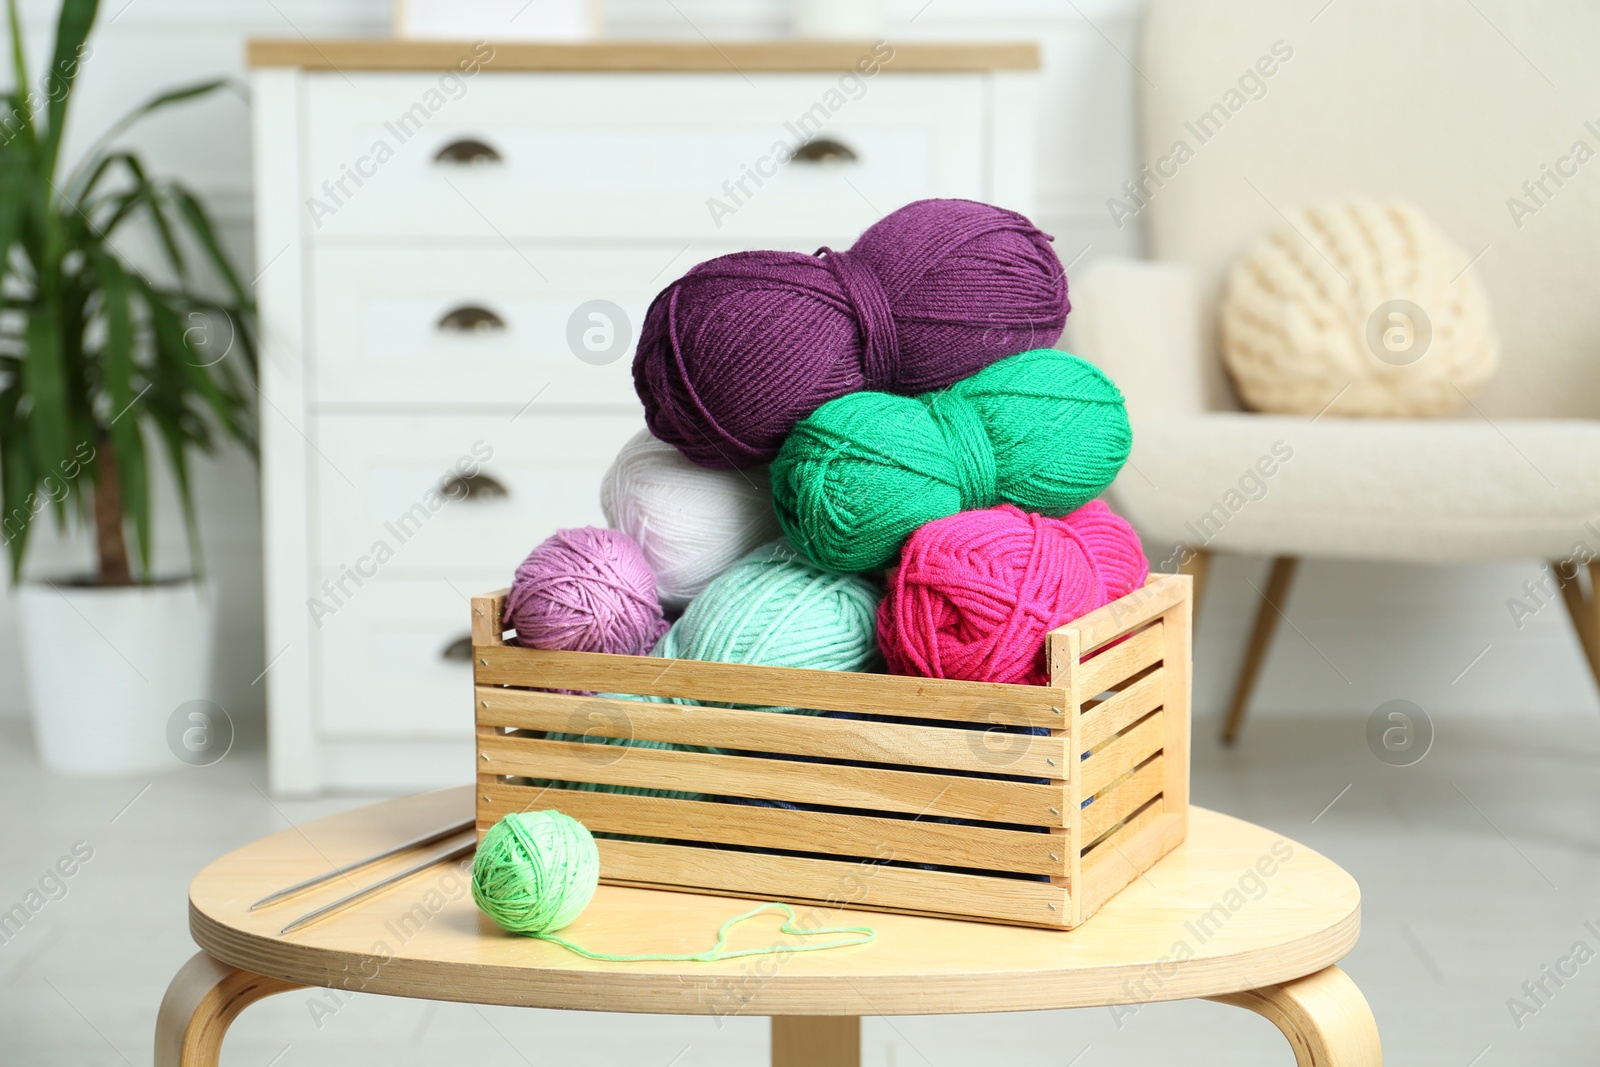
column 426, row 839
column 361, row 894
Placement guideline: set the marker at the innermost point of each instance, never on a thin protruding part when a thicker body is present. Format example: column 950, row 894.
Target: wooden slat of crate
column 734, row 683
column 1127, row 707
column 764, row 731
column 1160, row 594
column 1178, row 663
column 1114, row 665
column 1123, row 753
column 1123, row 856
column 912, row 792
column 1099, row 851
column 833, row 883
column 487, row 627
column 910, row 841
column 1131, row 844
column 1062, row 652
column 1122, row 799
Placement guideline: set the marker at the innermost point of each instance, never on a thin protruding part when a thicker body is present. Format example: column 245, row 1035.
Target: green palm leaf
column 19, row 72
column 44, row 378
column 155, row 103
column 72, row 30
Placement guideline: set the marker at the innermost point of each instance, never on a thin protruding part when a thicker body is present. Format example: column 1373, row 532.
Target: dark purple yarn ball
column 744, row 346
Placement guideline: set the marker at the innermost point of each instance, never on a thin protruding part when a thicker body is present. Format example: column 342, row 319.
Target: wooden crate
column 1037, row 829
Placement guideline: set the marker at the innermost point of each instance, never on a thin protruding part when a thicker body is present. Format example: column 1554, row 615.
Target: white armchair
column 1424, row 102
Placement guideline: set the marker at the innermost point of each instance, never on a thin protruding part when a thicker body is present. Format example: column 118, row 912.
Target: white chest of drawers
column 433, row 223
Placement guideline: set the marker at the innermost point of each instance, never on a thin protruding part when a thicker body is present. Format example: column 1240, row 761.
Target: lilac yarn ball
column 586, row 590
column 744, row 346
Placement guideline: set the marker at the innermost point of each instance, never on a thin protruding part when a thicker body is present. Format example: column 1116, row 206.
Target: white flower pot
column 108, row 667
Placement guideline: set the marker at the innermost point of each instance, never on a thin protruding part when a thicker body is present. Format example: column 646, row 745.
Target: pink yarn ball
column 976, row 593
column 586, row 590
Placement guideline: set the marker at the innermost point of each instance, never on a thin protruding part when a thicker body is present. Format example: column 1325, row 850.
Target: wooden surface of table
column 726, row 57
column 1235, row 908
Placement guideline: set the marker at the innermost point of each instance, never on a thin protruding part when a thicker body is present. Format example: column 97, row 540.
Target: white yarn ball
column 692, row 522
column 1365, row 302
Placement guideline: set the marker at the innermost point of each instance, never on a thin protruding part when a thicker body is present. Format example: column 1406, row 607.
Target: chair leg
column 1271, row 608
column 1326, row 1019
column 1584, row 610
column 1197, row 565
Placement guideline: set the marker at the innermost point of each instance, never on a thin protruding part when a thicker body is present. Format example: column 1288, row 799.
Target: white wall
column 1361, row 634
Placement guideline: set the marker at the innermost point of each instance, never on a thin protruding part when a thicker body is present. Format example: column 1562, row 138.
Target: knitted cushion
column 1367, row 303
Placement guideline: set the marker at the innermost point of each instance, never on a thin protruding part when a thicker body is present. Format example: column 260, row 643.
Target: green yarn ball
column 535, row 871
column 1043, row 430
column 777, row 609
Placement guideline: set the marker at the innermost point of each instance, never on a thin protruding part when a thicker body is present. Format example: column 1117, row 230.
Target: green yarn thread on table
column 535, row 872
column 1043, row 430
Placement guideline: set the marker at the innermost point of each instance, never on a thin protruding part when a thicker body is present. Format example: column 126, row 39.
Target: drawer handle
column 470, row 318
column 467, row 150
column 825, row 150
column 458, row 651
column 473, row 487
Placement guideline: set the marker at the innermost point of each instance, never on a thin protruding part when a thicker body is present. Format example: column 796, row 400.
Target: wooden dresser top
column 388, row 54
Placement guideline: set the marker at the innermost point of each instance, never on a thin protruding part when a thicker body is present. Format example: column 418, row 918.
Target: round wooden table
column 1236, row 914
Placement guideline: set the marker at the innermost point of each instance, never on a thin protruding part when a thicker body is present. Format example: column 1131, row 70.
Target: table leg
column 816, row 1041
column 203, row 1000
column 1324, row 1016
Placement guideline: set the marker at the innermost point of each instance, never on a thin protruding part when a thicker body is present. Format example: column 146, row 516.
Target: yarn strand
column 864, row 935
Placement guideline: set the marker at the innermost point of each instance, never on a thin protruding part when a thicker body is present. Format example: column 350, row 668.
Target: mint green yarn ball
column 778, row 609
column 1043, row 430
column 535, row 871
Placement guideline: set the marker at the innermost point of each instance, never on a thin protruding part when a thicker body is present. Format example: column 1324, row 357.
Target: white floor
column 1480, row 866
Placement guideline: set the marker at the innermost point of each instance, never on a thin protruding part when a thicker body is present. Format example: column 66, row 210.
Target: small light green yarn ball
column 776, row 609
column 1043, row 430
column 535, row 871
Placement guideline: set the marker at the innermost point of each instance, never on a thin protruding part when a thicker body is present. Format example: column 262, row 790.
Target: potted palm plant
column 101, row 363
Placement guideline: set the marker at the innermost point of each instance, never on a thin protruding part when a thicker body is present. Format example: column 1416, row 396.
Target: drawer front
column 482, row 324
column 380, row 508
column 389, row 659
column 632, row 155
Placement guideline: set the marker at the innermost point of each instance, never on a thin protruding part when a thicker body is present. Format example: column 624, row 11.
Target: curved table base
column 200, row 1004
column 1324, row 1016
column 816, row 1041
